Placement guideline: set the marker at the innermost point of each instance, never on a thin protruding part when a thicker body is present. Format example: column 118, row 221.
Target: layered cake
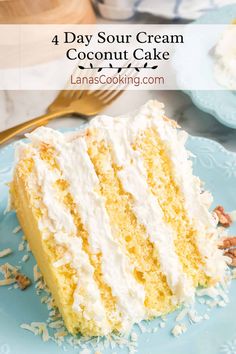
column 118, row 224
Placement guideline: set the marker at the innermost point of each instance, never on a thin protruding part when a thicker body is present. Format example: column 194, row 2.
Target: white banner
column 114, row 57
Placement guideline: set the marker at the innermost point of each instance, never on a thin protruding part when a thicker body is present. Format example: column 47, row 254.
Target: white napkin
column 186, row 9
column 172, row 9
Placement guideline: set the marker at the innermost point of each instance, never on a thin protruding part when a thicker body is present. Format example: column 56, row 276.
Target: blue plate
column 214, row 165
column 220, row 103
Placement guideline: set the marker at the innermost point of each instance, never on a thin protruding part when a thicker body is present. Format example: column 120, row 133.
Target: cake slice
column 118, row 224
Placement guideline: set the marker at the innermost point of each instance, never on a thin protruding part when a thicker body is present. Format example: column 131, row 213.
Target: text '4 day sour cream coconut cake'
column 118, row 224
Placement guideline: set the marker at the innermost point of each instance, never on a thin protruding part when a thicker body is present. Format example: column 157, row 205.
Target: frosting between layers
column 120, row 133
column 59, row 222
column 78, row 170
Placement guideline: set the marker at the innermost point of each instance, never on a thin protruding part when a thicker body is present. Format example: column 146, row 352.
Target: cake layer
column 116, row 220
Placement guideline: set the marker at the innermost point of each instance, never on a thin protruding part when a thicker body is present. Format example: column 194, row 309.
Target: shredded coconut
column 38, row 328
column 194, row 317
column 29, row 328
column 181, row 315
column 25, row 258
column 5, row 252
column 21, row 246
column 179, row 329
column 56, row 324
column 16, row 229
column 162, row 324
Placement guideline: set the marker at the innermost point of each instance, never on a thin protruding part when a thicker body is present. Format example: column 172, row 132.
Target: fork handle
column 33, row 123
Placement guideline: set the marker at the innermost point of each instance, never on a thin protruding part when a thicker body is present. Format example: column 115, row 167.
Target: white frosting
column 57, row 220
column 225, row 59
column 78, row 170
column 120, row 133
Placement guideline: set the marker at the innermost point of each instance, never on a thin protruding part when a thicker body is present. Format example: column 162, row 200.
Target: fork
column 84, row 103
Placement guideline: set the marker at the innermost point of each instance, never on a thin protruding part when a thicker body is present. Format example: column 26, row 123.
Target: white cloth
column 172, row 9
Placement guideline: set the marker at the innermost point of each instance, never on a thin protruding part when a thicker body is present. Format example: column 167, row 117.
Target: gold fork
column 84, row 103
